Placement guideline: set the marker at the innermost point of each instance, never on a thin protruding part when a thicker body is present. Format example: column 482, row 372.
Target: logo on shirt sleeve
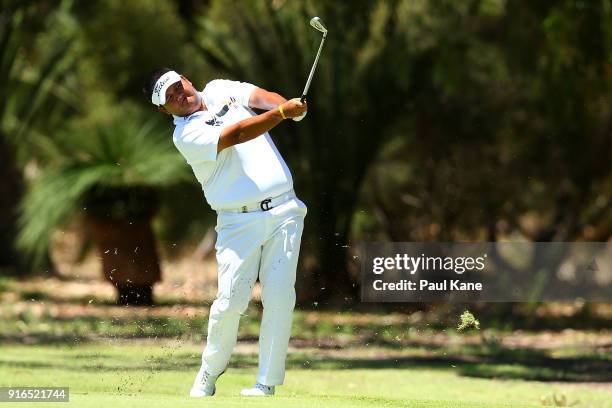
column 214, row 121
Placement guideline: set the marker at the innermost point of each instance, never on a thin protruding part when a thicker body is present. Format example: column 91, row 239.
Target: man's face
column 182, row 99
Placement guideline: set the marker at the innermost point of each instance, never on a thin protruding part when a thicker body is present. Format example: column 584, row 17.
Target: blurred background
column 475, row 120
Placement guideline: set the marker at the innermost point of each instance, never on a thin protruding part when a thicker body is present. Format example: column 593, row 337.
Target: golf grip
column 303, row 98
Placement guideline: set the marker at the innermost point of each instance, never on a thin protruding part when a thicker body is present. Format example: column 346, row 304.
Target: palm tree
column 109, row 173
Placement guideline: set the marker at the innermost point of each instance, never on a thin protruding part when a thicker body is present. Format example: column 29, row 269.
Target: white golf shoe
column 258, row 390
column 204, row 384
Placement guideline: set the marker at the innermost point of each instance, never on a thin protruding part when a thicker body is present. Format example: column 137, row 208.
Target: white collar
column 184, row 119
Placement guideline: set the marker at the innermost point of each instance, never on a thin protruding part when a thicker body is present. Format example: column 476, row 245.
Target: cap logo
column 158, row 96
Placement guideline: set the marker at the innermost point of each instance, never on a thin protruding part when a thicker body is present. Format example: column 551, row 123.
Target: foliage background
column 429, row 120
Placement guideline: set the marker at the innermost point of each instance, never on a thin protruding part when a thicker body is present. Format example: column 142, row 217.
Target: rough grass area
column 151, row 374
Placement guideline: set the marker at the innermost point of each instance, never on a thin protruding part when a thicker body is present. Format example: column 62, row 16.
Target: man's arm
column 262, row 99
column 254, row 126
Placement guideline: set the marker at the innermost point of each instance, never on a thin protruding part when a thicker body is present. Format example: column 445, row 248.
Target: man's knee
column 230, row 305
column 275, row 299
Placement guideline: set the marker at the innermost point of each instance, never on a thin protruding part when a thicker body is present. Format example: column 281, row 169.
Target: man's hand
column 293, row 108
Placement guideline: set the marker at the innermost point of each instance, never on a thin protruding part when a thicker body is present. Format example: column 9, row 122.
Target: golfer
column 259, row 218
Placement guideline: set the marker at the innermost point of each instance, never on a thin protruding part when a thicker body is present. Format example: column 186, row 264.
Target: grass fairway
column 149, row 375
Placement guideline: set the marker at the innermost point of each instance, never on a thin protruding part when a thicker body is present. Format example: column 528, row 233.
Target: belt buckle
column 265, row 204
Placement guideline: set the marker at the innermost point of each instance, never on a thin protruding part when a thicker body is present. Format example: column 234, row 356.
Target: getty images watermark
column 488, row 272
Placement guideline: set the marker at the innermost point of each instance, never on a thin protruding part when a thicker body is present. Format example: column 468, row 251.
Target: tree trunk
column 129, row 257
column 11, row 191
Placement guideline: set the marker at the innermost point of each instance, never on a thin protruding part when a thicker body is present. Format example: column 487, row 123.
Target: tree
column 520, row 130
column 514, row 141
column 108, row 168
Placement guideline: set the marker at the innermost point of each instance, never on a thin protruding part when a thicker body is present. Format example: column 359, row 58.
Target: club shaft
column 312, row 70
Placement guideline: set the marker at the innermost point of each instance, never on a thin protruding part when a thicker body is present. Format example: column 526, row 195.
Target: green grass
column 147, row 374
column 146, row 357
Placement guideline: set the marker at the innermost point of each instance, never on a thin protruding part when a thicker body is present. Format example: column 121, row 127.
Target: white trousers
column 264, row 244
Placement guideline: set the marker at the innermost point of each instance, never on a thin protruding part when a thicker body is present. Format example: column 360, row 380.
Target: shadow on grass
column 530, row 364
column 506, row 364
column 46, row 329
column 565, row 370
column 39, row 295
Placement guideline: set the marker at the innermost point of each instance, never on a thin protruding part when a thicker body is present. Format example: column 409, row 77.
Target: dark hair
column 153, row 77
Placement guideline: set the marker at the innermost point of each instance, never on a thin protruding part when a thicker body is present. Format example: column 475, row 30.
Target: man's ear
column 162, row 109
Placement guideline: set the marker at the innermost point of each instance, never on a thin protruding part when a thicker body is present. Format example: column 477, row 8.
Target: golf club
column 317, row 23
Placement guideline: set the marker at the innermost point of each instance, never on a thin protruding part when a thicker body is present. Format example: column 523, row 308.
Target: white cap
column 158, row 97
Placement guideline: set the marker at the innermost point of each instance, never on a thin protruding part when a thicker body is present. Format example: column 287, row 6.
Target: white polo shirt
column 242, row 174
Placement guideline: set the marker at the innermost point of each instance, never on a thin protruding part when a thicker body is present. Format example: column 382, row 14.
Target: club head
column 317, row 23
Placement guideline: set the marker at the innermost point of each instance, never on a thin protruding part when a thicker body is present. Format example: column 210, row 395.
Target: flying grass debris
column 468, row 322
